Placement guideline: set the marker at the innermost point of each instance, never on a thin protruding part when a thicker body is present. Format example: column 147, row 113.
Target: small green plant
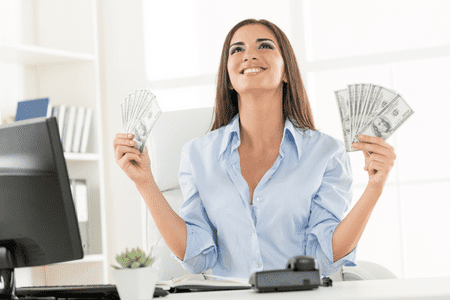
column 135, row 258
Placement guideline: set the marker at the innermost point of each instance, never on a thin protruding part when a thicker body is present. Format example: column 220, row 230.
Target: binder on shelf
column 64, row 115
column 86, row 130
column 74, row 124
column 55, row 110
column 80, row 198
column 30, row 109
column 59, row 112
column 56, row 113
column 81, row 114
column 68, row 140
column 49, row 110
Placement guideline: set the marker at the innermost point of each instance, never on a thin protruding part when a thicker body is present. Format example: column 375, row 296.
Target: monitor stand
column 7, row 286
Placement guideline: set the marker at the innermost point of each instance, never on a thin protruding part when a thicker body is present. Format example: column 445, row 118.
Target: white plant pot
column 135, row 284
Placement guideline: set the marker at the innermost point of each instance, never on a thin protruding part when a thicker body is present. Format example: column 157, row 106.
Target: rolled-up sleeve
column 201, row 250
column 327, row 210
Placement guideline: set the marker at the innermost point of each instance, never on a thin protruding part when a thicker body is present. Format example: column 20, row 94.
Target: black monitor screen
column 38, row 223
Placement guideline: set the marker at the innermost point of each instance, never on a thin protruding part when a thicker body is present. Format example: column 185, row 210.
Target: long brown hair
column 296, row 106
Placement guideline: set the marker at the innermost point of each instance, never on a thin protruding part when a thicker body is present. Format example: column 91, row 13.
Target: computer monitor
column 38, row 222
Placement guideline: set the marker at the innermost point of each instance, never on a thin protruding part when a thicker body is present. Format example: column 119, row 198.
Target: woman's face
column 255, row 61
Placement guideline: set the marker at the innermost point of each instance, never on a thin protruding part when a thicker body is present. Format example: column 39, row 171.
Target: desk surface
column 414, row 288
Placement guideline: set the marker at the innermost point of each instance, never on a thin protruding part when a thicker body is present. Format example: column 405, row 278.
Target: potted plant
column 135, row 278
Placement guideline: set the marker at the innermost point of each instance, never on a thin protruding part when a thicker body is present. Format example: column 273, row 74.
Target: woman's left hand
column 380, row 162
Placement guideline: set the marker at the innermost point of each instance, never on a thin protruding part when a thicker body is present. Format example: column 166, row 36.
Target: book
column 30, row 109
column 203, row 282
column 74, row 124
column 55, row 110
column 70, row 128
column 65, row 121
column 61, row 113
column 49, row 110
column 81, row 114
column 80, row 199
column 55, row 113
column 86, row 130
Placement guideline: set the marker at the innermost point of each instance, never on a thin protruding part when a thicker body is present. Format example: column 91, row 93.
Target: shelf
column 70, row 156
column 28, row 54
column 49, row 48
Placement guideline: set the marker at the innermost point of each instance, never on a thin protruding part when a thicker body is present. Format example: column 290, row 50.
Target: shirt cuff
column 200, row 252
column 324, row 255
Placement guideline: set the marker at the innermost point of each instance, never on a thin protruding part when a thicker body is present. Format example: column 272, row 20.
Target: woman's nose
column 251, row 55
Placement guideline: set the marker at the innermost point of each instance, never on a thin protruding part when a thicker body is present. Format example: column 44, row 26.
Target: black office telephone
column 301, row 273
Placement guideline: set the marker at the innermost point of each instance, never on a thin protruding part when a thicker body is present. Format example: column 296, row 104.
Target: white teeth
column 252, row 70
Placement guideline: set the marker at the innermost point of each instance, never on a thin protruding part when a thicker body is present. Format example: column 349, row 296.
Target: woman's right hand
column 134, row 163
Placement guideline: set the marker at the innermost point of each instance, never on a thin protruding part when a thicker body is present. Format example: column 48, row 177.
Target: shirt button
column 258, row 199
column 258, row 265
column 253, row 232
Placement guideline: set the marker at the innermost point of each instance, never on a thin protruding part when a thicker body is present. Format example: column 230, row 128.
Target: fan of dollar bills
column 140, row 111
column 370, row 109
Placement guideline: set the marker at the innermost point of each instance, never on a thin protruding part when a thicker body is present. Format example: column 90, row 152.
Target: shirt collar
column 295, row 135
column 233, row 129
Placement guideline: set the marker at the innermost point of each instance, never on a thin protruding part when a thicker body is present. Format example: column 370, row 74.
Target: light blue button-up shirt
column 296, row 206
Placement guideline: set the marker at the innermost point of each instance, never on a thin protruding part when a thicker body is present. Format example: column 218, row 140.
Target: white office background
column 400, row 44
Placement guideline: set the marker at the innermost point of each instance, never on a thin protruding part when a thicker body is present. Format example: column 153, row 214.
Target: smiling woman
column 264, row 185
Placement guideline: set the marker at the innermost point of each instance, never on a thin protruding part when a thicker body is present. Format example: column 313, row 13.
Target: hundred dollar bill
column 384, row 96
column 344, row 112
column 372, row 94
column 356, row 100
column 363, row 103
column 388, row 120
column 145, row 122
column 140, row 112
column 351, row 102
column 381, row 97
column 138, row 109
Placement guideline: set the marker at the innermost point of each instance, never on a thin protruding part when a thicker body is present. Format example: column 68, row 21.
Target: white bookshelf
column 49, row 48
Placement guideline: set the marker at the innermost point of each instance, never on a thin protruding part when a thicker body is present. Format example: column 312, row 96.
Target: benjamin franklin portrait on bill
column 381, row 127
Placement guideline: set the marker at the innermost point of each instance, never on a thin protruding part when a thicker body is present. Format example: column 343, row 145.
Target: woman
column 263, row 185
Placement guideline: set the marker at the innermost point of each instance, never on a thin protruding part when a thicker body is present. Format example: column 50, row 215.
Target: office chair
column 171, row 132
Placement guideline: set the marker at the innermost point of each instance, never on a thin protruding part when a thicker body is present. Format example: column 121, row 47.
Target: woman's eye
column 236, row 49
column 266, row 45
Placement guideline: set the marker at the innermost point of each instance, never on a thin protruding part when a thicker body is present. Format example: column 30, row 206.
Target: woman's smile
column 252, row 71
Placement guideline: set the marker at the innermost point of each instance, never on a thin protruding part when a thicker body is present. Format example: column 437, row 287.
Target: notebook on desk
column 203, row 282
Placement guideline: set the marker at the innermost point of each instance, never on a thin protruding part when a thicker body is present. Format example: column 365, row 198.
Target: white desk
column 423, row 288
